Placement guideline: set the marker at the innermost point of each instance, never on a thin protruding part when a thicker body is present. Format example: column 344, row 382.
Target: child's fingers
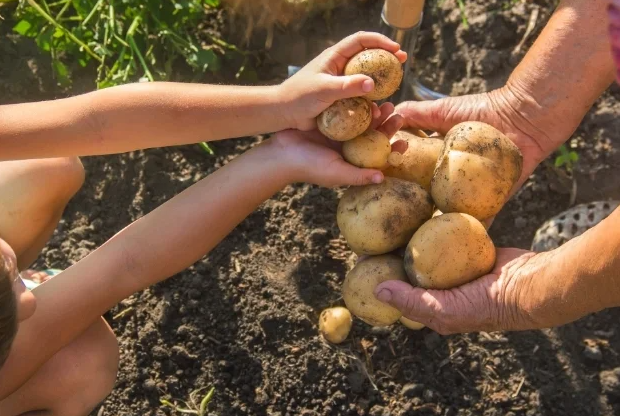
column 359, row 41
column 385, row 111
column 376, row 111
column 391, row 125
column 344, row 174
column 347, row 87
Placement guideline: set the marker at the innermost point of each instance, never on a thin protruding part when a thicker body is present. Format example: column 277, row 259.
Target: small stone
column 610, row 382
column 428, row 395
column 376, row 410
column 97, row 224
column 412, row 390
column 149, row 385
column 593, row 352
column 497, row 361
column 432, row 340
column 417, row 401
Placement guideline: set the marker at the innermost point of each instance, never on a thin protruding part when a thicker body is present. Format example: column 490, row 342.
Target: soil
column 244, row 319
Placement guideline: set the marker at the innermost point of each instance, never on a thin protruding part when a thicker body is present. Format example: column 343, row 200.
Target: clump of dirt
column 245, row 318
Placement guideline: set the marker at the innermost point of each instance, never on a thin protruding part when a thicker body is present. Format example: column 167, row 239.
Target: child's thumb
column 349, row 86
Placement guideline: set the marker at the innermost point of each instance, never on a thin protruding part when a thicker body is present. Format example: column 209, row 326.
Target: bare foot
column 35, row 276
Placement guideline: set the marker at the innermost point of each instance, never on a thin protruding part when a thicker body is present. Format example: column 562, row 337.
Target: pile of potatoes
column 432, row 204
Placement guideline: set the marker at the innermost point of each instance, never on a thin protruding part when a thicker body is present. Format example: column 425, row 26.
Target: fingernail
column 367, row 85
column 377, row 178
column 384, row 295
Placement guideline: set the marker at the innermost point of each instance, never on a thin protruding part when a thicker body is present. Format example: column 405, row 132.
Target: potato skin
column 335, row 324
column 368, row 150
column 448, row 251
column 379, row 218
column 360, row 283
column 418, row 161
column 413, row 325
column 476, row 170
column 380, row 65
column 345, row 119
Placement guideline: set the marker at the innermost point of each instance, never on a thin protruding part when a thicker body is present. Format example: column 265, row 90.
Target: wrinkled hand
column 497, row 301
column 496, row 108
column 316, row 159
column 318, row 84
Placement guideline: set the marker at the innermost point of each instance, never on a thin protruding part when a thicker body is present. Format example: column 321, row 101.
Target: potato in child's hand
column 345, row 119
column 382, row 66
column 368, row 150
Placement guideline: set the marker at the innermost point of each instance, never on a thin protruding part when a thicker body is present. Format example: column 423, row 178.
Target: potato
column 476, row 170
column 416, row 326
column 417, row 163
column 345, row 119
column 335, row 324
column 359, row 286
column 380, row 65
column 378, row 218
column 449, row 251
column 368, row 150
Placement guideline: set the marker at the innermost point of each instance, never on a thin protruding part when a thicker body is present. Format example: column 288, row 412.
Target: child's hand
column 318, row 84
column 315, row 159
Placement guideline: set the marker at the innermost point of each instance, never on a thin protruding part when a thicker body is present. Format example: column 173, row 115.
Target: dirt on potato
column 245, row 318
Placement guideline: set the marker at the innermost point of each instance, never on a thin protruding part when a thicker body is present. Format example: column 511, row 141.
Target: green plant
column 194, row 407
column 126, row 40
column 566, row 158
column 463, row 14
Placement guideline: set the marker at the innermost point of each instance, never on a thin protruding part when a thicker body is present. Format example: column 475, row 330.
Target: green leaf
column 204, row 59
column 22, row 27
column 62, row 73
column 44, row 39
column 213, row 3
column 574, row 156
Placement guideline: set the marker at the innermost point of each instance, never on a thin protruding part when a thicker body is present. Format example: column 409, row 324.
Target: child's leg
column 73, row 382
column 33, row 195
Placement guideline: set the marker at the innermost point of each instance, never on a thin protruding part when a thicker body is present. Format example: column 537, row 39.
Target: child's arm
column 139, row 116
column 170, row 239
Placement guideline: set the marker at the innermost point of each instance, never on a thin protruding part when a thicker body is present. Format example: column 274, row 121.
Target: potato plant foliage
column 127, row 40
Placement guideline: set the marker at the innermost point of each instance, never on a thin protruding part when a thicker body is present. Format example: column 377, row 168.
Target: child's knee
column 91, row 368
column 68, row 175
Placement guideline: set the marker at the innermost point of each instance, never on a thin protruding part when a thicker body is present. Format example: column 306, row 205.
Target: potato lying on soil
column 417, row 163
column 449, row 251
column 360, row 283
column 416, row 326
column 380, row 65
column 476, row 170
column 378, row 218
column 345, row 119
column 368, row 150
column 335, row 324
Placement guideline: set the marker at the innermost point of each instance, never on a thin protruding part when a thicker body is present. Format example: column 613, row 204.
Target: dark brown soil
column 244, row 319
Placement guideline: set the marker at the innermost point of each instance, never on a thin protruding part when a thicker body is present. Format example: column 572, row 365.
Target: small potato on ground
column 345, row 119
column 448, row 251
column 360, row 283
column 335, row 324
column 379, row 218
column 413, row 325
column 476, row 170
column 382, row 66
column 368, row 150
column 417, row 163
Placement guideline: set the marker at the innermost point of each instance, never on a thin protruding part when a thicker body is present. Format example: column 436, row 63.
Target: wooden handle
column 403, row 14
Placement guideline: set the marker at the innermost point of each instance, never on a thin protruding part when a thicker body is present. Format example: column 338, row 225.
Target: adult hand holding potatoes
column 524, row 290
column 322, row 81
